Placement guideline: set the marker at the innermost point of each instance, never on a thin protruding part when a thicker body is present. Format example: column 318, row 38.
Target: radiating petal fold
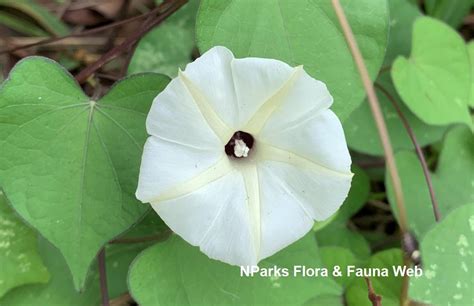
column 319, row 138
column 256, row 80
column 320, row 194
column 174, row 114
column 215, row 218
column 304, row 99
column 166, row 164
column 284, row 218
column 212, row 74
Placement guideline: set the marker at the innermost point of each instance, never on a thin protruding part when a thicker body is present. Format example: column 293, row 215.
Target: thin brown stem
column 165, row 10
column 121, row 15
column 381, row 126
column 108, row 77
column 83, row 33
column 379, row 204
column 103, row 278
column 122, row 300
column 376, row 112
column 131, row 50
column 374, row 298
column 371, row 163
column 419, row 152
column 404, row 301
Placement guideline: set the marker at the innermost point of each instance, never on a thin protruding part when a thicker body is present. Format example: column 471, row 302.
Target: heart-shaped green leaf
column 69, row 165
column 435, row 81
column 301, row 32
column 19, row 258
column 176, row 273
column 452, row 181
column 448, row 261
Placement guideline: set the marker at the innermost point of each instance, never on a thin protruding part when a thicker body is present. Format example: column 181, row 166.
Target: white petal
column 299, row 170
column 318, row 138
column 283, row 217
column 319, row 193
column 256, row 81
column 215, row 218
column 212, row 75
column 174, row 116
column 304, row 99
column 166, row 164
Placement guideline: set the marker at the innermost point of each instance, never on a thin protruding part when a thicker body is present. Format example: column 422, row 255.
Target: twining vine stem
column 373, row 297
column 103, row 278
column 376, row 112
column 381, row 127
column 147, row 22
column 419, row 152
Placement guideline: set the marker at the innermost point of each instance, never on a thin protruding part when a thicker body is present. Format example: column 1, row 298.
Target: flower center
column 239, row 145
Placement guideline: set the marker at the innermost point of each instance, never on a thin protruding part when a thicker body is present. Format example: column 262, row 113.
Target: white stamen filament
column 240, row 148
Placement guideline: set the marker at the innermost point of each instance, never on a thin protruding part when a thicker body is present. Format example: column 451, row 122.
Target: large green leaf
column 448, row 261
column 69, row 165
column 389, row 287
column 19, row 258
column 301, row 32
column 452, row 180
column 435, row 81
column 470, row 50
column 402, row 15
column 60, row 289
column 362, row 134
column 450, row 11
column 169, row 46
column 175, row 273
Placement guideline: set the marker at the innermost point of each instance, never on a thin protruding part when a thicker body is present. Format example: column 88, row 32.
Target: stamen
column 239, row 145
column 241, row 149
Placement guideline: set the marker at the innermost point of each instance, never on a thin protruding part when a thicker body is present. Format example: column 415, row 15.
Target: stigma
column 241, row 149
column 240, row 145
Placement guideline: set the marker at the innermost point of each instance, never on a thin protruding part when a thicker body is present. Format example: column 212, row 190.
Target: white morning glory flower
column 243, row 156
